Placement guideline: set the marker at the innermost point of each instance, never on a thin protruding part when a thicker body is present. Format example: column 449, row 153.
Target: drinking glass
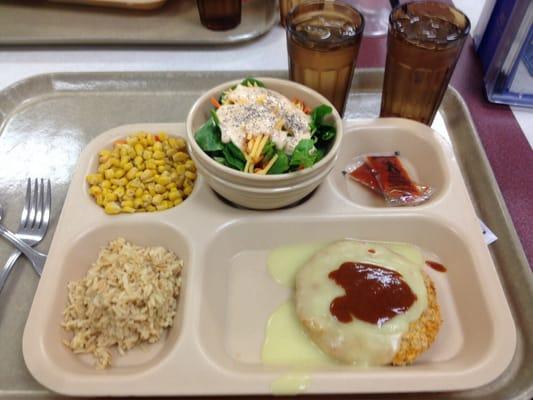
column 323, row 39
column 424, row 43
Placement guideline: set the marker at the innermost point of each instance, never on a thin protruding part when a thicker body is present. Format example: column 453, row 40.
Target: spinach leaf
column 269, row 150
column 320, row 153
column 233, row 156
column 304, row 154
column 319, row 129
column 208, row 136
column 252, row 82
column 216, row 121
column 220, row 160
column 317, row 117
column 281, row 165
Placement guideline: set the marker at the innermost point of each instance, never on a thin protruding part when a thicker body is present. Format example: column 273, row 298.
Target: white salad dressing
column 257, row 111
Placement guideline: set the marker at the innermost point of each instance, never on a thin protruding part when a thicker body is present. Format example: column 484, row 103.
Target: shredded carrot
column 215, row 102
column 156, row 138
column 301, row 105
column 119, row 141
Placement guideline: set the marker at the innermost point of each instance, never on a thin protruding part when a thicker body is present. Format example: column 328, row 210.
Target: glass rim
column 463, row 32
column 358, row 29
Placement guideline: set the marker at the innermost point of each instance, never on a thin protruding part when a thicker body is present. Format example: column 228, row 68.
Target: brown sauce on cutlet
column 373, row 294
column 436, row 266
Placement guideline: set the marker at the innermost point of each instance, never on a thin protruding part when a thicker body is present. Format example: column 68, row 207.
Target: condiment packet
column 384, row 174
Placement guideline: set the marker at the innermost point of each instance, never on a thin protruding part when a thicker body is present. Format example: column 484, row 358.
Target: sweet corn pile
column 144, row 172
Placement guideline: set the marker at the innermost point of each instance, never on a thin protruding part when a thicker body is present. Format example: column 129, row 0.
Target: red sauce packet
column 385, row 174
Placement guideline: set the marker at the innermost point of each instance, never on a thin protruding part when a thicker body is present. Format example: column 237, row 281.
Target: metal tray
column 34, row 22
column 47, row 120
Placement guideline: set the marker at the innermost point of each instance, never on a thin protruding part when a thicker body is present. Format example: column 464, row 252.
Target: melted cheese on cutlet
column 356, row 342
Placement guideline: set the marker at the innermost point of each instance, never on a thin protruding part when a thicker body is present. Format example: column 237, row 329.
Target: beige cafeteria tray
column 37, row 22
column 59, row 114
column 219, row 328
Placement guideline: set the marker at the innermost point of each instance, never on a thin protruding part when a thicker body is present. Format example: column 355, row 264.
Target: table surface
column 506, row 134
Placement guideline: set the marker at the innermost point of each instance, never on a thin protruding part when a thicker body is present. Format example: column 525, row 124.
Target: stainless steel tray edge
column 47, row 30
column 512, row 265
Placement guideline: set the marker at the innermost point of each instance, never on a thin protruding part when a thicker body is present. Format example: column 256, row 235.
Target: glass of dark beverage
column 323, row 39
column 219, row 15
column 285, row 6
column 424, row 43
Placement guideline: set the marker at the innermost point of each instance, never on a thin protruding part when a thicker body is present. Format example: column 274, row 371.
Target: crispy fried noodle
column 127, row 298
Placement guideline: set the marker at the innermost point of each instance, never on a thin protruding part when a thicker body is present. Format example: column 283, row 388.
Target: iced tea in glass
column 285, row 6
column 219, row 15
column 424, row 43
column 323, row 39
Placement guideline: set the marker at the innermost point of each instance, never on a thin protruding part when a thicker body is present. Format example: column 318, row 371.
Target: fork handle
column 8, row 266
column 37, row 259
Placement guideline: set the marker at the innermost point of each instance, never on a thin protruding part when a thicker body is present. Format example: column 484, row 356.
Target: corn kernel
column 187, row 190
column 180, row 169
column 158, row 146
column 126, row 203
column 147, row 198
column 180, row 156
column 119, row 182
column 112, row 208
column 190, row 165
column 157, row 199
column 110, row 197
column 190, row 175
column 173, row 195
column 137, row 203
column 128, row 210
column 180, row 143
column 138, row 161
column 120, row 192
column 105, row 184
column 158, row 155
column 150, row 164
column 94, row 179
column 139, row 149
column 131, row 173
column 147, row 176
column 94, row 190
column 147, row 154
column 162, row 206
column 162, row 180
column 151, row 208
column 119, row 173
column 178, row 201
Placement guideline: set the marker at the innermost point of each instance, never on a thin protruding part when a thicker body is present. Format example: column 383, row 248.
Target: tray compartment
column 423, row 158
column 73, row 265
column 239, row 294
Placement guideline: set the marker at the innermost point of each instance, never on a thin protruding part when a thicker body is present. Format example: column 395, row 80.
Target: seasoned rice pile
column 128, row 297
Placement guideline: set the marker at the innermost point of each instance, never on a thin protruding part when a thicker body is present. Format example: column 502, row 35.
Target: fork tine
column 27, row 201
column 33, row 205
column 40, row 200
column 47, row 205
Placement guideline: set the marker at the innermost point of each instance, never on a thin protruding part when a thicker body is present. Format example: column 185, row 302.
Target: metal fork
column 34, row 222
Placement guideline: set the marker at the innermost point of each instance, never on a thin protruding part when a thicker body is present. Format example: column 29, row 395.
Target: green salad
column 257, row 130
